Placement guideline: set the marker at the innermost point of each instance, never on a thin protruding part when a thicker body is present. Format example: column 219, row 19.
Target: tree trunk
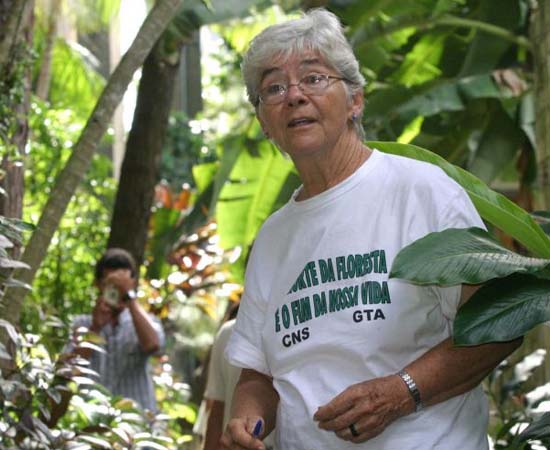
column 45, row 74
column 140, row 167
column 540, row 37
column 79, row 161
column 16, row 74
column 11, row 12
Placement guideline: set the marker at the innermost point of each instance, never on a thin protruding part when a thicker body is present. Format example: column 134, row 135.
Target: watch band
column 413, row 389
column 130, row 295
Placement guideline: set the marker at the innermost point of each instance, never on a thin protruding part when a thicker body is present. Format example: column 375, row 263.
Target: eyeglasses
column 312, row 84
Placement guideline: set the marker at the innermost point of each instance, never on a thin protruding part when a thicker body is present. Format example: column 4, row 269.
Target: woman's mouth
column 300, row 121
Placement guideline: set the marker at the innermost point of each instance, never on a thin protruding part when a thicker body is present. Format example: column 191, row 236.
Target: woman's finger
column 337, row 406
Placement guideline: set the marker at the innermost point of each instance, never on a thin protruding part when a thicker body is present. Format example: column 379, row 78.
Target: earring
column 353, row 117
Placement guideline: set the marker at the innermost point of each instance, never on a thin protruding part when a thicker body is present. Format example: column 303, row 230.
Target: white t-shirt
column 319, row 313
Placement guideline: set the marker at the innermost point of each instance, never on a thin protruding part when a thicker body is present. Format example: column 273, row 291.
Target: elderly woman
column 335, row 354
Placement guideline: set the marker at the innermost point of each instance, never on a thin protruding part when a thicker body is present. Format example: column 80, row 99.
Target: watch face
column 130, row 295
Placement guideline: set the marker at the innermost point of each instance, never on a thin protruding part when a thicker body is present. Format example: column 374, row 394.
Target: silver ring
column 354, row 432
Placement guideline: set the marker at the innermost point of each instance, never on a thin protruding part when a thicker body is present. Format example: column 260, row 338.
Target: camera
column 111, row 296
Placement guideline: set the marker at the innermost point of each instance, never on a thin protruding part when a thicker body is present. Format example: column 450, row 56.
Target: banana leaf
column 503, row 309
column 457, row 256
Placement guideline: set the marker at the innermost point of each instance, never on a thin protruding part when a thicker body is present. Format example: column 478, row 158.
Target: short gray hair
column 317, row 30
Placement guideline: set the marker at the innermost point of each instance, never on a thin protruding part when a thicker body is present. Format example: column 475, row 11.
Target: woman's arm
column 214, row 426
column 254, row 399
column 441, row 373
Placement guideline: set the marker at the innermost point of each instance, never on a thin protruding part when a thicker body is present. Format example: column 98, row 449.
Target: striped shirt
column 124, row 368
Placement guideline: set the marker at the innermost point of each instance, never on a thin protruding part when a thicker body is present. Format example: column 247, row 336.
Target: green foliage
column 503, row 309
column 258, row 185
column 518, row 421
column 11, row 233
column 13, row 81
column 64, row 282
column 75, row 84
column 183, row 149
column 49, row 403
column 439, row 60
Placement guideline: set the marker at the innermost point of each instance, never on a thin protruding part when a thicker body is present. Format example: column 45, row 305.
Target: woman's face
column 302, row 125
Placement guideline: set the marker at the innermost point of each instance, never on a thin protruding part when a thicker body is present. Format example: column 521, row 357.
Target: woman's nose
column 294, row 94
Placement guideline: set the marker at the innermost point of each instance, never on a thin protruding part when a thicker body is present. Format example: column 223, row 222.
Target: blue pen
column 257, row 428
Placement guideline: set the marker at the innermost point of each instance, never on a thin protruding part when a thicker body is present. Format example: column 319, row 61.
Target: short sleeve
column 159, row 329
column 215, row 384
column 460, row 213
column 245, row 348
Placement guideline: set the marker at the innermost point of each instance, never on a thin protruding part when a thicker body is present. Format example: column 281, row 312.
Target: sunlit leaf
column 12, row 282
column 5, row 242
column 421, row 63
column 131, row 417
column 12, row 264
column 150, row 444
column 125, row 404
column 96, row 441
column 183, row 411
column 10, row 329
column 122, row 435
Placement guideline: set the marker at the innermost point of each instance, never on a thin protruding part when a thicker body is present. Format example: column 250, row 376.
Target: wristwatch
column 129, row 296
column 413, row 389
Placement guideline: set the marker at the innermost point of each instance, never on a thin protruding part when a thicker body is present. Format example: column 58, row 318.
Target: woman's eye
column 313, row 78
column 274, row 89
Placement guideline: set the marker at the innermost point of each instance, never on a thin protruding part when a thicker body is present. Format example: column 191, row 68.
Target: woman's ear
column 357, row 105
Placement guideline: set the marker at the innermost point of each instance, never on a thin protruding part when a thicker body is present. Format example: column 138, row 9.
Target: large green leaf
column 486, row 49
column 76, row 82
column 457, row 256
column 492, row 206
column 163, row 221
column 503, row 309
column 250, row 194
column 421, row 63
column 232, row 149
column 429, row 99
column 498, row 146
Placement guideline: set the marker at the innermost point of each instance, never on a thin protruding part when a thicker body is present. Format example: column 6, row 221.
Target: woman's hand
column 366, row 408
column 239, row 434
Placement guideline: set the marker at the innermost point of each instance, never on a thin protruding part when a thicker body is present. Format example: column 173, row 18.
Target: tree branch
column 363, row 35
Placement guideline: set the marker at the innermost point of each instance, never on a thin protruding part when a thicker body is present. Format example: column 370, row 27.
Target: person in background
column 221, row 380
column 335, row 353
column 130, row 335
